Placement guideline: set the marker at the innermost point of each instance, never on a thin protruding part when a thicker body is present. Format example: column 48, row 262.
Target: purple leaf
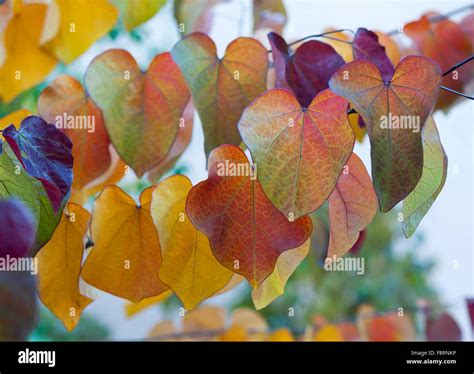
column 308, row 70
column 470, row 309
column 17, row 229
column 366, row 46
column 444, row 328
column 46, row 154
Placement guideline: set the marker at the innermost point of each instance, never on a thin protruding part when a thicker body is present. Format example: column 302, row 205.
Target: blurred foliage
column 51, row 329
column 393, row 278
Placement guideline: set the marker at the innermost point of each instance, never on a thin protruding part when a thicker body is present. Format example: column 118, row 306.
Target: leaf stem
column 458, row 65
column 457, row 92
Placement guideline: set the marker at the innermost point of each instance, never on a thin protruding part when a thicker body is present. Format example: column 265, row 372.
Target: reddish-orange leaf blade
column 299, row 152
column 246, row 232
column 352, row 206
column 65, row 104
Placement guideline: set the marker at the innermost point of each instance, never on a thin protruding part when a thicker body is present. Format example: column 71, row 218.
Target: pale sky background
column 447, row 227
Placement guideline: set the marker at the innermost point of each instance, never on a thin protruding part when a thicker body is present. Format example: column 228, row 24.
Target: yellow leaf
column 134, row 14
column 205, row 319
column 161, row 330
column 126, row 255
column 13, row 118
column 252, row 322
column 274, row 285
column 340, row 41
column 25, row 63
column 59, row 266
column 188, row 265
column 328, row 333
column 82, row 23
column 234, row 334
column 359, row 132
column 281, row 335
column 134, row 308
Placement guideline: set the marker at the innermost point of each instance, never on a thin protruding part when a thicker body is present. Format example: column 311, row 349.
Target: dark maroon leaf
column 46, row 154
column 359, row 243
column 470, row 309
column 444, row 328
column 18, row 306
column 308, row 70
column 17, row 229
column 366, row 46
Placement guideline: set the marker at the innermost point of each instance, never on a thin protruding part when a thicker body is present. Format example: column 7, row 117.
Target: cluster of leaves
column 250, row 218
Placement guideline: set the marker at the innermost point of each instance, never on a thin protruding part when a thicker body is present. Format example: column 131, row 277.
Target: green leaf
column 435, row 166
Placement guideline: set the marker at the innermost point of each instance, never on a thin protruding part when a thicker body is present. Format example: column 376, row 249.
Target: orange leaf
column 247, row 233
column 59, row 266
column 126, row 255
column 352, row 206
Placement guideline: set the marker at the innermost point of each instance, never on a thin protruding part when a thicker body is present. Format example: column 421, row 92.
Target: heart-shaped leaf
column 188, row 265
column 59, row 266
column 435, row 168
column 246, row 232
column 65, row 104
column 394, row 112
column 299, row 152
column 126, row 255
column 221, row 88
column 46, row 154
column 366, row 46
column 142, row 111
column 352, row 206
column 308, row 70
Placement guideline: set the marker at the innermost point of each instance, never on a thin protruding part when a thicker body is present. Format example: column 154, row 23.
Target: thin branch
column 458, row 65
column 457, row 92
column 322, row 35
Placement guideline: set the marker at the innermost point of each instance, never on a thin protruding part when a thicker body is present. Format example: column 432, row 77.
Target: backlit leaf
column 126, row 255
column 193, row 16
column 352, row 206
column 142, row 111
column 367, row 47
column 299, row 152
column 25, row 64
column 435, row 168
column 394, row 112
column 46, row 154
column 132, row 309
column 221, row 88
column 65, row 104
column 134, row 14
column 17, row 228
column 188, row 265
column 307, row 70
column 269, row 14
column 59, row 266
column 81, row 25
column 246, row 232
column 274, row 285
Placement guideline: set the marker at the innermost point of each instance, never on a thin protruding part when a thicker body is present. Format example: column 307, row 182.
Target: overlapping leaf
column 25, row 63
column 126, row 255
column 308, row 70
column 299, row 152
column 435, row 167
column 407, row 99
column 80, row 25
column 366, row 46
column 15, row 182
column 188, row 265
column 65, row 104
column 221, row 88
column 352, row 206
column 17, row 228
column 59, row 266
column 274, row 285
column 194, row 16
column 142, row 111
column 246, row 232
column 134, row 14
column 46, row 154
